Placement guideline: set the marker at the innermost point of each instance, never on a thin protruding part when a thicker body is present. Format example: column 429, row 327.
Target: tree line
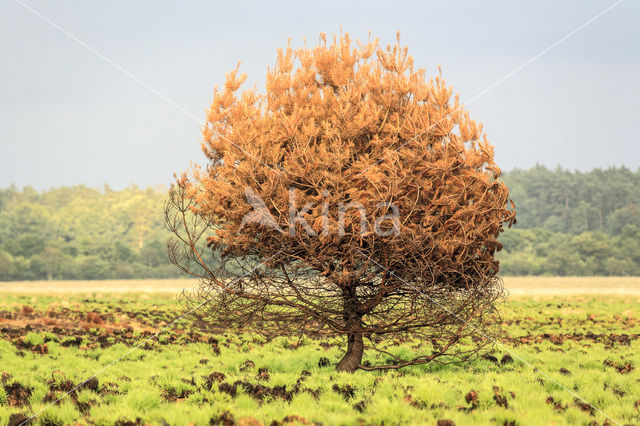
column 569, row 223
column 83, row 233
column 573, row 223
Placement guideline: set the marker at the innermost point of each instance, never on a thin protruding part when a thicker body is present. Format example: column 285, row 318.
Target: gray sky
column 69, row 117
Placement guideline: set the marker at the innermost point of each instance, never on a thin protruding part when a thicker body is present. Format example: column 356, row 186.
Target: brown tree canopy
column 345, row 132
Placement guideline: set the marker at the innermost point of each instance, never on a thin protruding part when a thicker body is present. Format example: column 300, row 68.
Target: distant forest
column 569, row 223
column 573, row 223
column 83, row 233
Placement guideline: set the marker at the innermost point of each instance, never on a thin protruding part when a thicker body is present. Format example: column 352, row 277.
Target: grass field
column 563, row 339
column 527, row 286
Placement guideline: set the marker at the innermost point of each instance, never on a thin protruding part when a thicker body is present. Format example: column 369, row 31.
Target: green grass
column 165, row 381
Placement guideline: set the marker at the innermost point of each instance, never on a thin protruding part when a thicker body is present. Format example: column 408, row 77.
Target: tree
column 354, row 196
column 51, row 259
column 7, row 267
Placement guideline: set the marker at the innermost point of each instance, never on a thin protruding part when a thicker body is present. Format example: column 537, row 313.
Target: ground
column 559, row 345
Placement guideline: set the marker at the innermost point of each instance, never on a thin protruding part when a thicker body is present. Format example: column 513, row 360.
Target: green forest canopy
column 83, row 233
column 569, row 223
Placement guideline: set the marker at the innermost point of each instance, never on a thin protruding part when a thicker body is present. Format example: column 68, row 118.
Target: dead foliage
column 506, row 359
column 472, row 400
column 224, row 419
column 125, row 422
column 323, row 362
column 94, row 318
column 60, row 387
column 622, row 368
column 345, row 124
column 346, row 391
column 17, row 394
column 499, row 398
column 257, row 391
column 247, row 365
column 584, row 406
column 263, row 374
column 558, row 339
column 171, row 395
column 291, row 419
column 18, row 419
column 215, row 377
column 557, row 405
column 491, row 358
column 360, row 406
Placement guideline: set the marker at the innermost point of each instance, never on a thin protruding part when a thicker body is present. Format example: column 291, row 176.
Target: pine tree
column 355, row 197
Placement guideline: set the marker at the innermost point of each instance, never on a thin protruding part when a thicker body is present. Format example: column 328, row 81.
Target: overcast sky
column 68, row 116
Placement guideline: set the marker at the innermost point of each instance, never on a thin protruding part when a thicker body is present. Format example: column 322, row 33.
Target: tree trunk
column 352, row 359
